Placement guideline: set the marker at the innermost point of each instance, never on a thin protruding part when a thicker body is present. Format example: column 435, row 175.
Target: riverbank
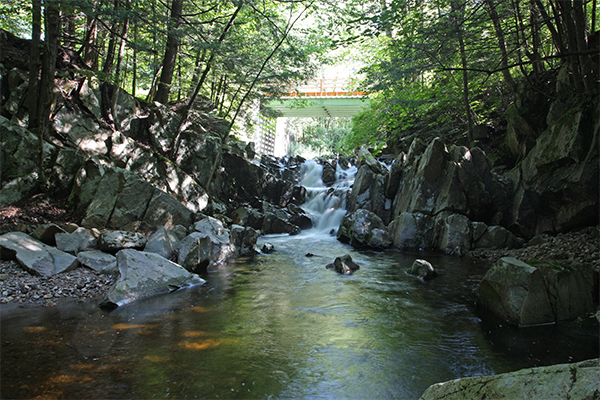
column 83, row 284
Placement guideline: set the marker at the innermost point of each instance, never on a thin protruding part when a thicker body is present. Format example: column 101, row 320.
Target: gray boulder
column 516, row 291
column 221, row 248
column 163, row 242
column 344, row 265
column 194, row 252
column 99, row 261
column 35, row 256
column 244, row 240
column 562, row 381
column 146, row 274
column 247, row 216
column 80, row 240
column 422, row 269
column 497, row 237
column 453, row 233
column 114, row 241
column 364, row 229
column 412, row 231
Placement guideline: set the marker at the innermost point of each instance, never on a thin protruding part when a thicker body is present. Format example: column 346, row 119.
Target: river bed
column 281, row 326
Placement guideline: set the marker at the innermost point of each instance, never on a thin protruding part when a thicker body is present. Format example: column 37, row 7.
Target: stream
column 282, row 326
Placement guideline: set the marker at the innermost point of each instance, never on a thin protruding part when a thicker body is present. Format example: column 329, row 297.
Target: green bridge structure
column 316, row 98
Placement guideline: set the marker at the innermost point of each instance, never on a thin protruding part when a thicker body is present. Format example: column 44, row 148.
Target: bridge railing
column 328, row 87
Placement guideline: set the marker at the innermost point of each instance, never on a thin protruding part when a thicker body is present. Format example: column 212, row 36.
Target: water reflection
column 278, row 326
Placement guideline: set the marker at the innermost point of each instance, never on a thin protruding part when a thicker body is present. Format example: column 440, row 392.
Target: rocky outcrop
column 562, row 381
column 549, row 292
column 35, row 256
column 144, row 274
column 364, row 229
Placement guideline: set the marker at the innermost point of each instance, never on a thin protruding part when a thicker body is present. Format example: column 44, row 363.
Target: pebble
column 18, row 286
column 581, row 246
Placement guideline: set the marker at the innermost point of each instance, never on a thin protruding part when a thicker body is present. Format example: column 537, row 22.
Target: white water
column 325, row 205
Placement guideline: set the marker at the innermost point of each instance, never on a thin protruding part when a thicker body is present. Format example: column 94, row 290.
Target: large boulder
column 562, row 381
column 412, row 231
column 525, row 295
column 453, row 233
column 364, row 229
column 35, row 256
column 244, row 240
column 164, row 242
column 144, row 274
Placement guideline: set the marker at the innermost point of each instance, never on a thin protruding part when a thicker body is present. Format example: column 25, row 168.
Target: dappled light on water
column 279, row 326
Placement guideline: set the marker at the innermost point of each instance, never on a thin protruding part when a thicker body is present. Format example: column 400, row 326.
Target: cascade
column 325, row 205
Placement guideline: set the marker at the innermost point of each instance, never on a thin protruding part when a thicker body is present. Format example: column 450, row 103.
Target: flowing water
column 281, row 326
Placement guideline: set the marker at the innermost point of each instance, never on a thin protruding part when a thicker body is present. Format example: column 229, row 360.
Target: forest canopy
column 432, row 67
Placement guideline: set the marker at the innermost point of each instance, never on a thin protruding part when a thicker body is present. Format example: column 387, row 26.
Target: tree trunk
column 166, row 77
column 117, row 78
column 459, row 12
column 34, row 68
column 46, row 88
column 501, row 44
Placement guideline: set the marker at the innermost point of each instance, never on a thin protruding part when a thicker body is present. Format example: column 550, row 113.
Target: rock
column 247, row 216
column 562, row 381
column 146, row 274
column 572, row 288
column 454, row 233
column 344, row 265
column 244, row 240
column 104, row 199
column 274, row 224
column 45, row 233
column 328, row 174
column 35, row 256
column 497, row 237
column 114, row 241
column 368, row 192
column 101, row 262
column 412, row 231
column 132, row 202
column 80, row 240
column 163, row 242
column 422, row 269
column 17, row 189
column 367, row 158
column 267, row 248
column 165, row 210
column 364, row 229
column 516, row 291
column 194, row 252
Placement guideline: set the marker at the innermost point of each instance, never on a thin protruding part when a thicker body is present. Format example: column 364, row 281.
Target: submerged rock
column 422, row 269
column 344, row 265
column 562, row 381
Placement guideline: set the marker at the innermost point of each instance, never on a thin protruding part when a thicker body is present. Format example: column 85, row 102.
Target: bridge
column 319, row 98
column 315, row 98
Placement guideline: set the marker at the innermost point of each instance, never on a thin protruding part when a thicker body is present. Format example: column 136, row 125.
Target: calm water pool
column 281, row 326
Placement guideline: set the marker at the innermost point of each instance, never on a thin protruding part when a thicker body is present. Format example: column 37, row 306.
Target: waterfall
column 325, row 205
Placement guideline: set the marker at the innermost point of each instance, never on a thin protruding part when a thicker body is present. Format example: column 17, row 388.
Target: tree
column 172, row 47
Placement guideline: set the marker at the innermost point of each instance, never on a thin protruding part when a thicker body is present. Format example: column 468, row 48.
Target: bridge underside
column 319, row 107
